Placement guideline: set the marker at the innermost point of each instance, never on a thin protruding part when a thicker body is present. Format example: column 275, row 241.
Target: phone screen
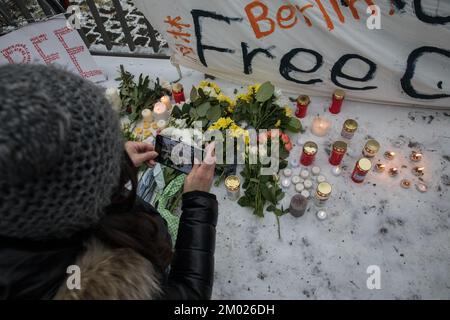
column 176, row 154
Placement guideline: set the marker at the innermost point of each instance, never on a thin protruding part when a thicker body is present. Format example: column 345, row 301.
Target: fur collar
column 110, row 274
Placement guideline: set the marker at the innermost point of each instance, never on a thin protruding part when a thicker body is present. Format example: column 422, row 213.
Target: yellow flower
column 138, row 130
column 146, row 125
column 237, row 131
column 221, row 124
column 147, row 133
column 278, row 123
column 209, row 84
column 288, row 111
column 244, row 97
column 253, row 89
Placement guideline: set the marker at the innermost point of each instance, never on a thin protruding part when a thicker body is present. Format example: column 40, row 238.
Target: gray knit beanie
column 60, row 152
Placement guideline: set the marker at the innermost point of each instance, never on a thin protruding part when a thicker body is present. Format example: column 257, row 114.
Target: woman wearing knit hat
column 64, row 207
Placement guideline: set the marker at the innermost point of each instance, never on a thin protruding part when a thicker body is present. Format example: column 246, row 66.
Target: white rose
column 243, row 124
column 112, row 95
column 166, row 85
column 278, row 94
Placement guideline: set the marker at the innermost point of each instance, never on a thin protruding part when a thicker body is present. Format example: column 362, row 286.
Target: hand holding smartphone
column 177, row 155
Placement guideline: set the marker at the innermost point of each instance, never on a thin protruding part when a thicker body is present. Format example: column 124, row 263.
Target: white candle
column 160, row 112
column 315, row 171
column 285, row 183
column 336, row 170
column 320, row 126
column 321, row 179
column 166, row 101
column 321, row 215
column 305, row 193
column 287, row 172
column 304, row 174
column 299, row 187
column 161, row 124
column 147, row 115
column 308, row 184
column 421, row 187
column 295, row 179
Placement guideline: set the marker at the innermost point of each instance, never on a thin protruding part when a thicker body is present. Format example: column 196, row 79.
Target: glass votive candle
column 389, row 155
column 309, row 153
column 393, row 172
column 371, row 148
column 416, row 156
column 418, row 171
column 298, row 205
column 379, row 167
column 349, row 128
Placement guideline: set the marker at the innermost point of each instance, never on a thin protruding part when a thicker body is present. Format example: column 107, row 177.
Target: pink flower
column 288, row 146
column 285, row 138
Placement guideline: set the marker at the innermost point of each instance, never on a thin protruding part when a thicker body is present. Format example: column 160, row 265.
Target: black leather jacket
column 192, row 269
column 30, row 270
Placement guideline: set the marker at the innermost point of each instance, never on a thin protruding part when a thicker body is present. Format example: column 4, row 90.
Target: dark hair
column 122, row 227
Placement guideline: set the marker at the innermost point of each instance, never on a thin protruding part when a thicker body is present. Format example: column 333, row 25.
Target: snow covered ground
column 404, row 232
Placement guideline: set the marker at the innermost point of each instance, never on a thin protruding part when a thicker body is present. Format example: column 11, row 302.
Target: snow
column 404, row 232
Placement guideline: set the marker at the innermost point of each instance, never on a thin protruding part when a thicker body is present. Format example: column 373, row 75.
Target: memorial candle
column 166, row 101
column 415, row 156
column 320, row 126
column 302, row 106
column 309, row 153
column 336, row 104
column 147, row 115
column 178, row 93
column 418, row 171
column 160, row 112
column 337, row 153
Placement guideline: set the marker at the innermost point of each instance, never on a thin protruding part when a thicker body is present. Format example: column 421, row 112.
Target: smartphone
column 176, row 154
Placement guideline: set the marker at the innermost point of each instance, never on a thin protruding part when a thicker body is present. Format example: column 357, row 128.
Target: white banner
column 50, row 42
column 385, row 51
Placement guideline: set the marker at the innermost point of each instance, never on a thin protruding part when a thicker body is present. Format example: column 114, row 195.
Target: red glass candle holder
column 302, row 106
column 337, row 153
column 309, row 153
column 178, row 96
column 338, row 99
column 362, row 167
column 178, row 93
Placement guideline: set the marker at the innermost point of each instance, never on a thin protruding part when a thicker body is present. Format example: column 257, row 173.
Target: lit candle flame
column 393, row 172
column 389, row 155
column 418, row 171
column 416, row 156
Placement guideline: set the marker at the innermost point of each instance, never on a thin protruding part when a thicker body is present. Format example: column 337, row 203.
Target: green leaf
column 203, row 108
column 267, row 193
column 278, row 212
column 194, row 94
column 253, row 108
column 271, row 208
column 244, row 202
column 294, row 125
column 193, row 113
column 201, row 93
column 279, row 196
column 186, row 107
column 176, row 112
column 213, row 113
column 265, row 92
